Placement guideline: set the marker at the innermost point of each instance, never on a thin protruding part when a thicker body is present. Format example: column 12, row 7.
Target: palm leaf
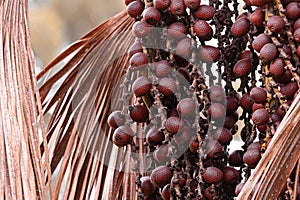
column 22, row 166
column 78, row 135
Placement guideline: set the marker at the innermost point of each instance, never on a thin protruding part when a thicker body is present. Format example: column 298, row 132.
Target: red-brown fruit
column 247, row 2
column 186, row 107
column 262, row 128
column 258, row 95
column 203, row 30
column 213, row 175
column 296, row 35
column 183, row 48
column 141, row 86
column 151, row 15
column 139, row 113
column 122, row 136
column 167, row 86
column 135, row 8
column 275, row 117
column 210, row 193
column 257, row 106
column 229, row 121
column 116, row 119
column 246, row 102
column 257, row 18
column 166, row 193
column 217, row 111
column 154, row 136
column 216, row 93
column 293, row 10
column 298, row 51
column 173, row 125
column 223, row 135
column 135, row 48
column 239, row 188
column 268, row 53
column 276, row 24
column 128, row 2
column 260, row 41
column 177, row 7
column 140, row 29
column 284, row 78
column 232, row 104
column 161, row 4
column 161, row 154
column 245, row 54
column 183, row 136
column 205, row 12
column 180, row 180
column 209, row 54
column 297, row 24
column 213, row 149
column 194, row 145
column 259, row 3
column 242, row 67
column 139, row 60
column 260, row 116
column 236, row 158
column 277, row 67
column 162, row 68
column 286, row 2
column 255, row 145
column 177, row 30
column 240, row 27
column 192, row 4
column 251, row 157
column 161, row 176
column 289, row 89
column 230, row 175
column 146, row 186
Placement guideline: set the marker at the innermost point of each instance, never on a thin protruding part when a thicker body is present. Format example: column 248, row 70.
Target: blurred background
column 55, row 24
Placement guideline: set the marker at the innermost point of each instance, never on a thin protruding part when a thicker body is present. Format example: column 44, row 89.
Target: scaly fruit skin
column 151, row 15
column 161, row 154
column 293, row 10
column 154, row 136
column 167, row 86
column 223, row 135
column 183, row 48
column 177, row 7
column 141, row 86
column 147, row 186
column 268, row 53
column 258, row 95
column 213, row 149
column 186, row 107
column 230, row 175
column 205, row 12
column 122, row 136
column 203, row 30
column 240, row 27
column 297, row 24
column 257, row 17
column 173, row 125
column 209, row 54
column 289, row 89
column 192, row 4
column 161, row 4
column 177, row 30
column 277, row 67
column 232, row 104
column 276, row 24
column 162, row 68
column 140, row 29
column 139, row 113
column 242, row 67
column 217, row 111
column 216, row 93
column 213, row 175
column 166, row 193
column 259, row 3
column 135, row 8
column 246, row 102
column 161, row 176
column 260, row 116
column 116, row 119
column 251, row 157
column 260, row 41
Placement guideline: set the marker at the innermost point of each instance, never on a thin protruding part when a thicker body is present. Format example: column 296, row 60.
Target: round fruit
column 223, row 135
column 141, row 86
column 161, row 176
column 246, row 102
column 255, row 146
column 232, row 104
column 251, row 157
column 236, row 158
column 183, row 136
column 213, row 149
column 203, row 30
column 186, row 107
column 275, row 24
column 177, row 30
column 155, row 137
column 161, row 154
column 240, row 27
column 216, row 93
column 173, row 125
column 259, row 3
column 128, row 2
column 205, row 12
column 213, row 175
column 289, row 89
column 217, row 111
column 258, row 95
column 260, row 41
column 194, row 145
column 298, row 51
column 209, row 54
column 242, row 67
column 257, row 18
column 151, row 15
column 122, row 136
column 140, row 29
column 284, row 78
column 297, row 35
column 135, row 48
column 268, row 53
column 162, row 68
column 139, row 113
column 161, row 4
column 260, row 116
column 116, row 119
column 257, row 106
column 192, row 4
column 183, row 48
column 245, row 54
column 277, row 67
column 146, row 186
column 167, row 86
column 230, row 175
column 297, row 24
column 135, row 8
column 177, row 7
column 293, row 10
column 229, row 121
column 166, row 193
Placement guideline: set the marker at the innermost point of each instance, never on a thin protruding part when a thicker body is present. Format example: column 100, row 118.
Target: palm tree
column 72, row 157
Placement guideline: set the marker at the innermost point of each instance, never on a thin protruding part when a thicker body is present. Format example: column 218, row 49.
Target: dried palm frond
column 22, row 167
column 81, row 153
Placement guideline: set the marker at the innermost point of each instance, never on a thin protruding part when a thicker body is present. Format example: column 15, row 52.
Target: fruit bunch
column 198, row 74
